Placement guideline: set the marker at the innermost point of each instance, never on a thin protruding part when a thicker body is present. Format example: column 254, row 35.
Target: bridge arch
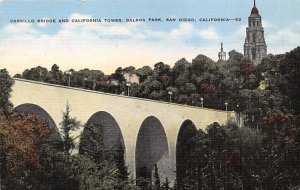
column 42, row 115
column 103, row 128
column 151, row 147
column 170, row 115
column 184, row 148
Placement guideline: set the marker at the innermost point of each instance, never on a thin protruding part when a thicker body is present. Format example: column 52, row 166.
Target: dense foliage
column 263, row 154
column 20, row 136
column 30, row 161
column 253, row 90
column 5, row 88
column 229, row 157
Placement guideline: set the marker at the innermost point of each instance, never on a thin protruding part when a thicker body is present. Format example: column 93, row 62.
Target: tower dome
column 254, row 11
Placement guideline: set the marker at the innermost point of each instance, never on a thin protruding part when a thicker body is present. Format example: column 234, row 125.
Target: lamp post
column 201, row 102
column 128, row 88
column 170, row 94
column 238, row 114
column 69, row 73
column 226, row 105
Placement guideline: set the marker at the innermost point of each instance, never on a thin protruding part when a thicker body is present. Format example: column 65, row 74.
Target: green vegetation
column 157, row 184
column 264, row 154
column 5, row 88
column 30, row 161
column 255, row 91
column 68, row 124
column 229, row 157
column 20, row 136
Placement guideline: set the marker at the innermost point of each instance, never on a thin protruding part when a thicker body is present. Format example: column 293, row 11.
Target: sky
column 108, row 45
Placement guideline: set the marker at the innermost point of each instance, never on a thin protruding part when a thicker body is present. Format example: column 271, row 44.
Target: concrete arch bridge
column 148, row 129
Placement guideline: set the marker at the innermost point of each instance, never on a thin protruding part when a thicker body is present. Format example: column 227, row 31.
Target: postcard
column 160, row 94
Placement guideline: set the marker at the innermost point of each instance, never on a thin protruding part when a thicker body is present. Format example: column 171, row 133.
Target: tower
column 222, row 54
column 255, row 46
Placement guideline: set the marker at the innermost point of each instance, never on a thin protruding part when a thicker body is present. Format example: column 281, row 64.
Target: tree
column 85, row 78
column 157, row 185
column 144, row 181
column 120, row 162
column 20, row 137
column 202, row 64
column 160, row 68
column 144, row 72
column 118, row 75
column 148, row 86
column 186, row 156
column 6, row 83
column 79, row 171
column 179, row 68
column 129, row 69
column 55, row 75
column 162, row 73
column 280, row 150
column 166, row 184
column 235, row 56
column 93, row 168
column 289, row 68
column 68, row 124
column 37, row 74
column 92, row 144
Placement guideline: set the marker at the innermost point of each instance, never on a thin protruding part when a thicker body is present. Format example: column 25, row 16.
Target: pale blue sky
column 105, row 45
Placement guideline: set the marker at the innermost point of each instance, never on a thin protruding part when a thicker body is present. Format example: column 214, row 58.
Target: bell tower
column 222, row 54
column 255, row 47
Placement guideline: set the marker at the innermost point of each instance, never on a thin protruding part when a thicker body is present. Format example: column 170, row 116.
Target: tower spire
column 221, row 46
column 254, row 3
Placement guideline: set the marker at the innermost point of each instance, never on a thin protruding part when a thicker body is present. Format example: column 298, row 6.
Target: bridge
column 148, row 129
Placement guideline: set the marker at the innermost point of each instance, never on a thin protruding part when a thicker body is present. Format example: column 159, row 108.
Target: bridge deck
column 117, row 95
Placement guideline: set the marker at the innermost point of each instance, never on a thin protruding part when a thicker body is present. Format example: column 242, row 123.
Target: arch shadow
column 151, row 146
column 101, row 130
column 184, row 149
column 42, row 115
